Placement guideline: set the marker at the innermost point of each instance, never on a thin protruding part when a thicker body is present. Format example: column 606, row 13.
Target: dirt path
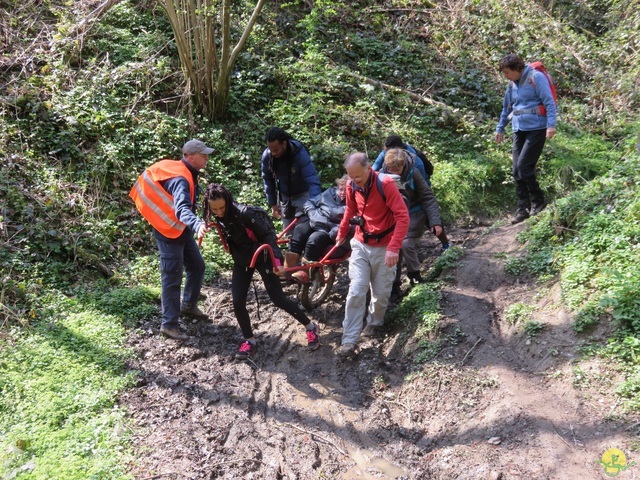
column 291, row 414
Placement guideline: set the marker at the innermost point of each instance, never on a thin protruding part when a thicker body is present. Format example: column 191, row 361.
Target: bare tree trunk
column 228, row 58
column 207, row 71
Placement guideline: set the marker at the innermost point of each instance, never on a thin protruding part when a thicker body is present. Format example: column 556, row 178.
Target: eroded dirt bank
column 291, row 414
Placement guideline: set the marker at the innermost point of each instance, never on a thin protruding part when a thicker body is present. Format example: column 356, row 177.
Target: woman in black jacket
column 244, row 231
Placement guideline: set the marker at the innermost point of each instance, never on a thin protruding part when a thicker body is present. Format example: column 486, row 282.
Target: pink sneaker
column 245, row 351
column 312, row 338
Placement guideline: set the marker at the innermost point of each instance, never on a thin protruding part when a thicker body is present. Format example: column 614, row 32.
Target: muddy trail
column 492, row 404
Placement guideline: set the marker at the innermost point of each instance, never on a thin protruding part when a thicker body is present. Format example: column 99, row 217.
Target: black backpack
column 252, row 216
column 428, row 166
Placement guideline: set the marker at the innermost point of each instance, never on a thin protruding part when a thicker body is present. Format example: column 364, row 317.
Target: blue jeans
column 176, row 256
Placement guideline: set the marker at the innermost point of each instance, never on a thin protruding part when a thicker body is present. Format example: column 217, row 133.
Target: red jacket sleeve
column 350, row 211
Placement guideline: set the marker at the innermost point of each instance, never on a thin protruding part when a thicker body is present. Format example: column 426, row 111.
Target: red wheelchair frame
column 320, row 275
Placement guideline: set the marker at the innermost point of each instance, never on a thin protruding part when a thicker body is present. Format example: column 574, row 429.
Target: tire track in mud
column 294, row 414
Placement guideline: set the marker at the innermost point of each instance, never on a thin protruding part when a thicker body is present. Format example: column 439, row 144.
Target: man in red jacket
column 380, row 214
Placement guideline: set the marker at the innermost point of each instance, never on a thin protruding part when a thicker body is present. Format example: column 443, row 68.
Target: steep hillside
column 90, row 95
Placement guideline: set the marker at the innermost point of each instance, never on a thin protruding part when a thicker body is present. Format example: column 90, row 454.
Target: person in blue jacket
column 395, row 141
column 527, row 92
column 288, row 174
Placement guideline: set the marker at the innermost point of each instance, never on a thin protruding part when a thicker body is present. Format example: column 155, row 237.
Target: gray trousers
column 417, row 226
column 366, row 270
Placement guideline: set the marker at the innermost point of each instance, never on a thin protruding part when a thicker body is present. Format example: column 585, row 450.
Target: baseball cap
column 196, row 146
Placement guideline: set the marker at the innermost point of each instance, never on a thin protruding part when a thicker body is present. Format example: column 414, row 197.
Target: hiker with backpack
column 243, row 229
column 424, row 211
column 381, row 218
column 530, row 105
column 288, row 175
column 422, row 165
column 317, row 235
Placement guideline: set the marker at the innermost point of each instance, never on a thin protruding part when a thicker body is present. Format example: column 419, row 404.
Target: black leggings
column 319, row 244
column 240, row 282
column 526, row 150
column 300, row 235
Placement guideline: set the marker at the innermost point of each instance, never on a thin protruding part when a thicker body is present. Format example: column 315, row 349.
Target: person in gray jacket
column 424, row 211
column 316, row 234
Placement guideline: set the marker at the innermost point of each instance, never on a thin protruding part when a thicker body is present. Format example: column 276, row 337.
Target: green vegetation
column 81, row 115
column 60, row 376
column 518, row 313
column 533, row 328
column 448, row 259
column 419, row 312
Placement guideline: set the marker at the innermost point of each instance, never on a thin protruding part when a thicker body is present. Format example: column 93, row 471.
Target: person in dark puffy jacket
column 243, row 232
column 424, row 211
column 288, row 174
column 316, row 234
column 325, row 214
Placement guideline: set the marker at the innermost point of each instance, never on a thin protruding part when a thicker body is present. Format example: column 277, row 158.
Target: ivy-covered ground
column 85, row 107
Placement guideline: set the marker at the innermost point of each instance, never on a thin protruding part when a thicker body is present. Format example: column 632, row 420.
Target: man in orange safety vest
column 165, row 194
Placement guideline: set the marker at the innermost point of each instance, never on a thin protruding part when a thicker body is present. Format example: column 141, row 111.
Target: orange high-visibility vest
column 154, row 202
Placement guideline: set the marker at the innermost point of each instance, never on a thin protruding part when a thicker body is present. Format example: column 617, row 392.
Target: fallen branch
column 471, row 350
column 160, row 475
column 86, row 23
column 318, row 436
column 559, row 436
column 413, row 96
column 236, row 461
column 411, row 10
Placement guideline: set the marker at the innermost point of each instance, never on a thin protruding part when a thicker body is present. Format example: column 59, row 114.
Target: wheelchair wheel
column 313, row 293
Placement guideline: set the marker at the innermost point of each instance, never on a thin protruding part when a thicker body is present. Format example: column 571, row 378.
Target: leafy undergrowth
column 592, row 238
column 60, row 374
column 80, row 120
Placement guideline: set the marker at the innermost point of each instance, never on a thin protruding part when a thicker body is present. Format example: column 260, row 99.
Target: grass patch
column 421, row 307
column 533, row 328
column 449, row 259
column 518, row 313
column 60, row 376
column 419, row 312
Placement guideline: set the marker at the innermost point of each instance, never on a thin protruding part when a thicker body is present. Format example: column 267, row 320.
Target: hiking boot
column 445, row 247
column 370, row 331
column 174, row 332
column 415, row 278
column 520, row 216
column 313, row 340
column 245, row 350
column 536, row 208
column 347, row 350
column 194, row 312
column 291, row 259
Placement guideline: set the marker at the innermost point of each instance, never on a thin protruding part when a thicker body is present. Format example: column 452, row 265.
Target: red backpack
column 541, row 68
